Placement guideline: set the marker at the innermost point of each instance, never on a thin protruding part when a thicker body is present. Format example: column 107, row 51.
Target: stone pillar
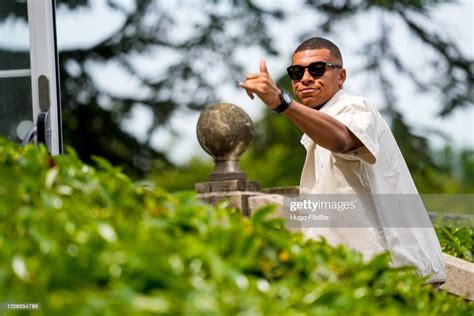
column 225, row 131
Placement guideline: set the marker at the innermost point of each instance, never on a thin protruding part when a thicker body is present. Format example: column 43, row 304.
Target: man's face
column 314, row 92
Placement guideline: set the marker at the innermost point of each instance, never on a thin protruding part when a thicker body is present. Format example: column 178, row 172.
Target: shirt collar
column 339, row 94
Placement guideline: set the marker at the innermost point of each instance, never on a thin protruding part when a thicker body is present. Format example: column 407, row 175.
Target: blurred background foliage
column 93, row 116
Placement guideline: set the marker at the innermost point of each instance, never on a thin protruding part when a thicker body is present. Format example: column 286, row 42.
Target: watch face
column 286, row 97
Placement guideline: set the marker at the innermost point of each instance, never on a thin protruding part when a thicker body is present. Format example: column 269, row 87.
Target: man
column 351, row 150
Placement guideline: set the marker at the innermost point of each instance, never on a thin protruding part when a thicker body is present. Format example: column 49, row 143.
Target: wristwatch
column 285, row 101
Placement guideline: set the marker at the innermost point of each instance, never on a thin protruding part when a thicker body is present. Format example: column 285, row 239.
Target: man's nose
column 307, row 78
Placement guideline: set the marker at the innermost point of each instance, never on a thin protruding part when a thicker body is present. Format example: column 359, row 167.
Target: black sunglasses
column 317, row 69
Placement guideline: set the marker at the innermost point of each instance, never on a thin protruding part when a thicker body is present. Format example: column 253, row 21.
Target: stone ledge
column 460, row 277
column 237, row 199
column 227, row 186
column 259, row 201
column 289, row 191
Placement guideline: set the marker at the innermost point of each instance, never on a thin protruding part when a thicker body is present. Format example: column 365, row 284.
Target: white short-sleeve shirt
column 376, row 168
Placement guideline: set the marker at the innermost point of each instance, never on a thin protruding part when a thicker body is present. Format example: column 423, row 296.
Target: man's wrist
column 285, row 101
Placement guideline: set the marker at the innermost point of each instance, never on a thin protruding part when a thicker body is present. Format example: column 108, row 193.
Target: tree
column 92, row 116
column 219, row 29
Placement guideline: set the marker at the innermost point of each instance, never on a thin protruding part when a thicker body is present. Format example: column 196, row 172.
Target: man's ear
column 342, row 77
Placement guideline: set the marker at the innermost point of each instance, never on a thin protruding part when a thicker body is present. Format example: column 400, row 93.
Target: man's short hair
column 320, row 43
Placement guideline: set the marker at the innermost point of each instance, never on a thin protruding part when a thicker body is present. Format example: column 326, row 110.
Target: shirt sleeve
column 361, row 120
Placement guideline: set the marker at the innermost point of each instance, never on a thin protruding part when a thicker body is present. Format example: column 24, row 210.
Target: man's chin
column 311, row 102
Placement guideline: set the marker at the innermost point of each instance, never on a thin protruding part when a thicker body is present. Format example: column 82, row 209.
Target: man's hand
column 263, row 86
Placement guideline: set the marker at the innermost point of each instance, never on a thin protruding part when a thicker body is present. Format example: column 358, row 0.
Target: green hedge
column 89, row 241
column 457, row 241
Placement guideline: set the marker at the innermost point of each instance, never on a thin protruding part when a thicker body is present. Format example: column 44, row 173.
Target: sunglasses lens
column 295, row 72
column 317, row 69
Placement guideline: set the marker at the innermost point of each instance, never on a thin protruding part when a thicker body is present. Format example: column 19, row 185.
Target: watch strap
column 283, row 104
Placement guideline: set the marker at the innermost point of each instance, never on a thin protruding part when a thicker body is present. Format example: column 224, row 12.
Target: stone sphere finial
column 225, row 131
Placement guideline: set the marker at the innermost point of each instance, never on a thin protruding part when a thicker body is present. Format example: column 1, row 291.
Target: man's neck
column 318, row 107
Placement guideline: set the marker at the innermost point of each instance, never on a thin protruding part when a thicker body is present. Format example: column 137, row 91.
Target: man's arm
column 322, row 128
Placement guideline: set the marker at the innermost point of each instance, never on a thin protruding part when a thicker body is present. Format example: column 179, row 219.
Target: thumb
column 263, row 67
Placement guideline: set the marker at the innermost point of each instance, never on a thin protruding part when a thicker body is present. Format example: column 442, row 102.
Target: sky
column 90, row 26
